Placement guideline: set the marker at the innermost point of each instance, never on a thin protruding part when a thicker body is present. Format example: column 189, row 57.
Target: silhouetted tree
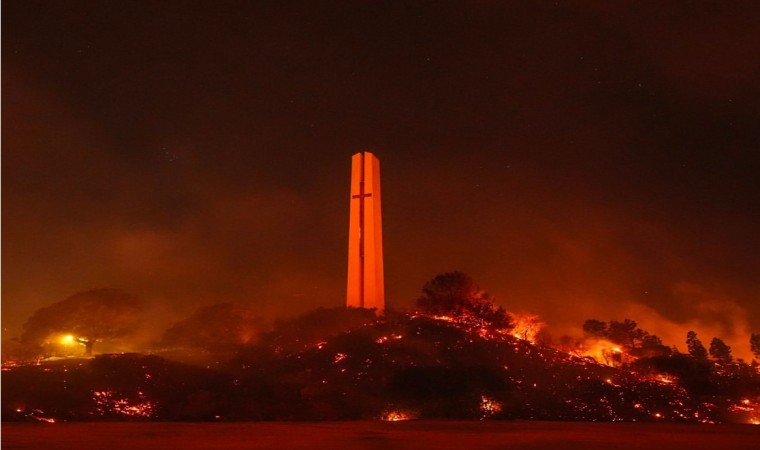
column 651, row 346
column 754, row 344
column 215, row 325
column 696, row 349
column 720, row 351
column 456, row 294
column 88, row 316
column 625, row 332
column 651, row 340
column 449, row 293
column 595, row 328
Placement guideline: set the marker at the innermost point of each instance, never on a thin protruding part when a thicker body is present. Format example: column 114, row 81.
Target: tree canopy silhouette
column 627, row 334
column 754, row 344
column 720, row 351
column 457, row 294
column 595, row 328
column 88, row 317
column 696, row 349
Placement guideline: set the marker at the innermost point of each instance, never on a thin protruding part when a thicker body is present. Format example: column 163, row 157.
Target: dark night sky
column 584, row 159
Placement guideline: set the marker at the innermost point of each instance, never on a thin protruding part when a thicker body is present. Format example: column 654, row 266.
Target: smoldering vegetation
column 405, row 366
column 457, row 355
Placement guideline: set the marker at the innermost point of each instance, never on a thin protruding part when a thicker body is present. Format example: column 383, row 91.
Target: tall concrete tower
column 366, row 287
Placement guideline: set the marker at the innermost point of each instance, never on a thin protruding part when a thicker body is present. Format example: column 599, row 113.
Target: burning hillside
column 405, row 366
column 458, row 355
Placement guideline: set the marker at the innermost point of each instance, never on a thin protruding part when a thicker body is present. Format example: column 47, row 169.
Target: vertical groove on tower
column 361, row 232
column 365, row 287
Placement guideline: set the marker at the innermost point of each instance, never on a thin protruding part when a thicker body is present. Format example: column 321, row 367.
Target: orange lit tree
column 527, row 326
column 628, row 335
column 456, row 294
column 87, row 317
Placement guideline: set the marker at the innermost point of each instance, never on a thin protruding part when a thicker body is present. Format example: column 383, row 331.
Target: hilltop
column 345, row 364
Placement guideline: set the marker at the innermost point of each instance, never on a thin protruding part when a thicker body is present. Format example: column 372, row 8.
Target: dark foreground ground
column 379, row 435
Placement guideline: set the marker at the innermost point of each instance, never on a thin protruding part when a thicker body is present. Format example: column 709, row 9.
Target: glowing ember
column 488, row 406
column 395, row 416
column 444, row 318
column 107, row 402
column 36, row 414
column 744, row 407
column 667, row 379
column 385, row 339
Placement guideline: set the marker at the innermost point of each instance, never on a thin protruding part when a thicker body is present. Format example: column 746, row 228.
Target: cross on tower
column 361, row 193
column 365, row 243
column 361, row 196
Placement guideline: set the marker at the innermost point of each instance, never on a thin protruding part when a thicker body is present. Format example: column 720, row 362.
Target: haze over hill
column 581, row 159
column 347, row 364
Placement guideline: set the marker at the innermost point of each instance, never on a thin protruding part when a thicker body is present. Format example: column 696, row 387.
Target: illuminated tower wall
column 366, row 287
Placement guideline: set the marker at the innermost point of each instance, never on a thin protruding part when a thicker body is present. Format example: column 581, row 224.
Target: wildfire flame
column 527, row 326
column 395, row 416
column 603, row 352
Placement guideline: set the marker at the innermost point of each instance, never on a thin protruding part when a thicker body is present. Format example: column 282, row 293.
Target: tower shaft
column 366, row 287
